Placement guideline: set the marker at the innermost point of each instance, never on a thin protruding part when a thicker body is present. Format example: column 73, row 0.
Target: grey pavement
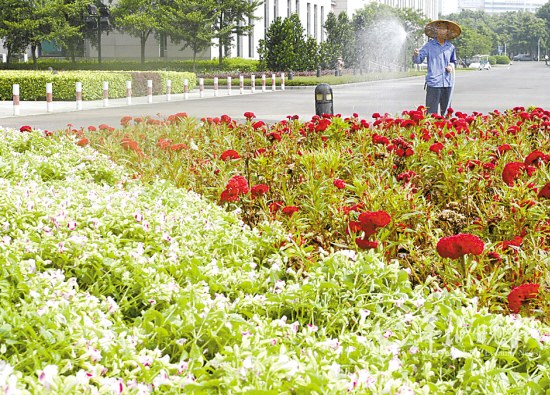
column 503, row 87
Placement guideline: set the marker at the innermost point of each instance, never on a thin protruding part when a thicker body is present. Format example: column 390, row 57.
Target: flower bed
column 117, row 281
column 483, row 176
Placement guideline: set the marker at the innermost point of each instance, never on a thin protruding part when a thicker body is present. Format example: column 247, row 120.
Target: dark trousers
column 437, row 99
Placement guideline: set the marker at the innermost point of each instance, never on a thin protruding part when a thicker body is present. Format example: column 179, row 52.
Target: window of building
column 315, row 32
column 298, row 7
column 308, row 13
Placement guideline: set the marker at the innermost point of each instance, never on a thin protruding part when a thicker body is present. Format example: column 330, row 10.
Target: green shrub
column 501, row 59
column 33, row 83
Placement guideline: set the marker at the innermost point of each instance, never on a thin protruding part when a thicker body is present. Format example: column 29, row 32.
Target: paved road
column 504, row 87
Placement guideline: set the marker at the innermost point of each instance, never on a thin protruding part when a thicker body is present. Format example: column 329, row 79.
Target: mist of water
column 384, row 46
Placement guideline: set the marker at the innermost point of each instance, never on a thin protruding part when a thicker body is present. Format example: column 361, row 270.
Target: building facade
column 430, row 8
column 490, row 6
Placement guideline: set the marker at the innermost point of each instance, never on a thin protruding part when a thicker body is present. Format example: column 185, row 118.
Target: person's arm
column 452, row 62
column 419, row 55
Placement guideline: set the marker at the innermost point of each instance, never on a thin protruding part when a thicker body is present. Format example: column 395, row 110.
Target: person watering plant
column 441, row 58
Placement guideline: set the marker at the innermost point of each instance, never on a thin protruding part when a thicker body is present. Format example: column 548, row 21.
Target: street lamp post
column 98, row 20
column 538, row 50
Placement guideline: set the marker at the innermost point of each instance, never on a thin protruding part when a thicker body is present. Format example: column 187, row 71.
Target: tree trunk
column 143, row 41
column 34, row 59
column 194, row 60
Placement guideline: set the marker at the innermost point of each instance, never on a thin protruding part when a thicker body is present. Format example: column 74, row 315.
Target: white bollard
column 282, row 81
column 168, row 90
column 263, row 82
column 273, row 82
column 253, row 83
column 15, row 99
column 216, row 91
column 241, row 84
column 128, row 92
column 149, row 91
column 78, row 89
column 4, row 58
column 185, row 89
column 25, row 58
column 228, row 86
column 49, row 97
column 105, row 93
column 201, row 87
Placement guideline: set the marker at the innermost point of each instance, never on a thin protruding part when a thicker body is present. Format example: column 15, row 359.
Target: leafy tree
column 232, row 18
column 26, row 23
column 283, row 46
column 544, row 14
column 139, row 18
column 340, row 41
column 190, row 22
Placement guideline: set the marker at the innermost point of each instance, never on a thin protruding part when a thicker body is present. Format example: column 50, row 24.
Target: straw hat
column 453, row 29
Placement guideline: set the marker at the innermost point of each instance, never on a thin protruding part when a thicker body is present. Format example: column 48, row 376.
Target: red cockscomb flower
column 83, row 142
column 369, row 222
column 340, row 184
column 365, row 244
column 436, row 147
column 535, row 158
column 545, row 191
column 518, row 294
column 503, row 148
column 235, row 187
column 178, row 147
column 515, row 242
column 511, row 172
column 258, row 190
column 25, row 128
column 459, row 245
column 249, row 115
column 229, row 154
column 289, row 210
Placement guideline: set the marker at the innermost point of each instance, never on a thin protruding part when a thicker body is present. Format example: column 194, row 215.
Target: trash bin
column 323, row 99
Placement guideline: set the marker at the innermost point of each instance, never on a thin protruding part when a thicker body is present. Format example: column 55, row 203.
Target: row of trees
column 375, row 35
column 194, row 24
column 381, row 35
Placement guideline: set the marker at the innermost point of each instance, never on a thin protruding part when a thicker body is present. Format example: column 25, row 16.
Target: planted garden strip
column 110, row 271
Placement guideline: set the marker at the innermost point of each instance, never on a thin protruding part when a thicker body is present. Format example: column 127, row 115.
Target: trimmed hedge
column 33, row 83
column 201, row 66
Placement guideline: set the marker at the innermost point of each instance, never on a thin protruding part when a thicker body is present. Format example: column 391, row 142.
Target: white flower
column 247, row 363
column 83, row 377
column 138, row 216
column 166, row 237
column 364, row 313
column 113, row 306
column 145, row 360
column 407, row 318
column 456, row 353
column 405, row 391
column 94, row 354
column 394, row 364
column 419, row 302
column 312, row 328
column 182, row 367
column 47, row 376
column 146, row 226
column 350, row 254
column 388, row 334
column 413, row 350
column 161, row 379
column 71, row 225
column 399, row 302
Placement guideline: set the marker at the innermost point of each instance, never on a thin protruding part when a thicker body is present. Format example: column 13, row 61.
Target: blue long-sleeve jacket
column 439, row 56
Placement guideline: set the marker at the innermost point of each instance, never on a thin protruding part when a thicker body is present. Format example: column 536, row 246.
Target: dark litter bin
column 323, row 99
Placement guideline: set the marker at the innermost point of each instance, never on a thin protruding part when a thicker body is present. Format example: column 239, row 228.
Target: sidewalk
column 40, row 107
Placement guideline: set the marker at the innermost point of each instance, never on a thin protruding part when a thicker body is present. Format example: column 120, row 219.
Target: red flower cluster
column 369, row 222
column 229, row 154
column 289, row 210
column 511, row 172
column 459, row 245
column 236, row 186
column 340, row 184
column 129, row 144
column 518, row 294
column 25, row 128
column 536, row 158
column 249, row 115
column 258, row 190
column 545, row 191
column 436, row 147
